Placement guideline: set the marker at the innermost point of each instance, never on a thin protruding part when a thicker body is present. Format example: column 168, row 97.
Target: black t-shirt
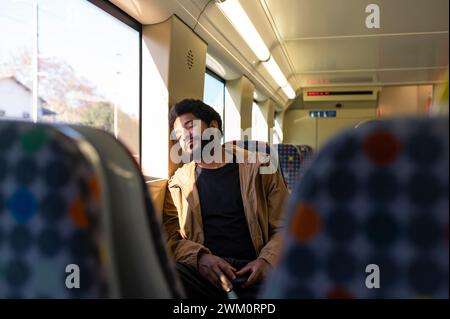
column 224, row 223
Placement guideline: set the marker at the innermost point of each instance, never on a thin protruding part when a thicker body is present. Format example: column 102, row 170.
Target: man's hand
column 217, row 271
column 258, row 269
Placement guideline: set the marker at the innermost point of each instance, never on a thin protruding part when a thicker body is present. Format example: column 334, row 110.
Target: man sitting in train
column 221, row 216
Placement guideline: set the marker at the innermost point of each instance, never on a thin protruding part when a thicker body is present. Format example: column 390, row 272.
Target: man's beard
column 198, row 146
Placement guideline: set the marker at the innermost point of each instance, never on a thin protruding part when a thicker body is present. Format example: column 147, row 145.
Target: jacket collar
column 184, row 177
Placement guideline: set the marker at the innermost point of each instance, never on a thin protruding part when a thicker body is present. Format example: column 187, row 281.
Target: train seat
column 59, row 226
column 370, row 218
column 293, row 159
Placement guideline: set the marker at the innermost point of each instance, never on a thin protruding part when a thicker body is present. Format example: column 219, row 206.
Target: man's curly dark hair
column 199, row 109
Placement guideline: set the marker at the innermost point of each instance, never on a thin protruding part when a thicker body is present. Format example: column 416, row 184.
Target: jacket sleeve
column 183, row 250
column 276, row 195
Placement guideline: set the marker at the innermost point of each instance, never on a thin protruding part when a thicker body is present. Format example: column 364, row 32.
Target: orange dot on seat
column 382, row 147
column 78, row 213
column 306, row 222
column 94, row 188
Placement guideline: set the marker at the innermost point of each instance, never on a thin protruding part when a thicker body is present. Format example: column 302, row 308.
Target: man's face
column 188, row 132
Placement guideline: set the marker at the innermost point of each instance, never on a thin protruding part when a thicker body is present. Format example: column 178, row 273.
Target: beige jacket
column 263, row 197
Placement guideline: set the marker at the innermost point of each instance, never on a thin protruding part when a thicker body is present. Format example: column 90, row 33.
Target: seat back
column 293, row 159
column 51, row 221
column 139, row 254
column 370, row 217
column 73, row 196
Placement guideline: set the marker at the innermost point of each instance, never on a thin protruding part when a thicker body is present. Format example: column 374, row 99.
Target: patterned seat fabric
column 49, row 216
column 261, row 147
column 293, row 159
column 376, row 200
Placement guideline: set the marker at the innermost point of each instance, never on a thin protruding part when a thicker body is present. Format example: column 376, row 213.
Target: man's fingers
column 244, row 270
column 225, row 283
column 205, row 272
column 225, row 264
column 229, row 271
column 222, row 280
column 252, row 279
column 212, row 278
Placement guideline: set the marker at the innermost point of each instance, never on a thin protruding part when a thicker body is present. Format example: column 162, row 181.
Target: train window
column 87, row 65
column 214, row 94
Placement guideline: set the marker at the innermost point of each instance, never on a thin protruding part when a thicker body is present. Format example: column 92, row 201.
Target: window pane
column 16, row 34
column 89, row 69
column 88, row 66
column 214, row 95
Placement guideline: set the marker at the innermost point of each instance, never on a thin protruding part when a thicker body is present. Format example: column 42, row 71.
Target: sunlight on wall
column 259, row 124
column 155, row 154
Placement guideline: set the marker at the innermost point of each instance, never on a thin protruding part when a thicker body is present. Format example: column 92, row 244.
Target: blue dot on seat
column 22, row 205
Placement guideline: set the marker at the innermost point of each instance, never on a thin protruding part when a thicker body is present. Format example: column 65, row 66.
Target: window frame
column 118, row 13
